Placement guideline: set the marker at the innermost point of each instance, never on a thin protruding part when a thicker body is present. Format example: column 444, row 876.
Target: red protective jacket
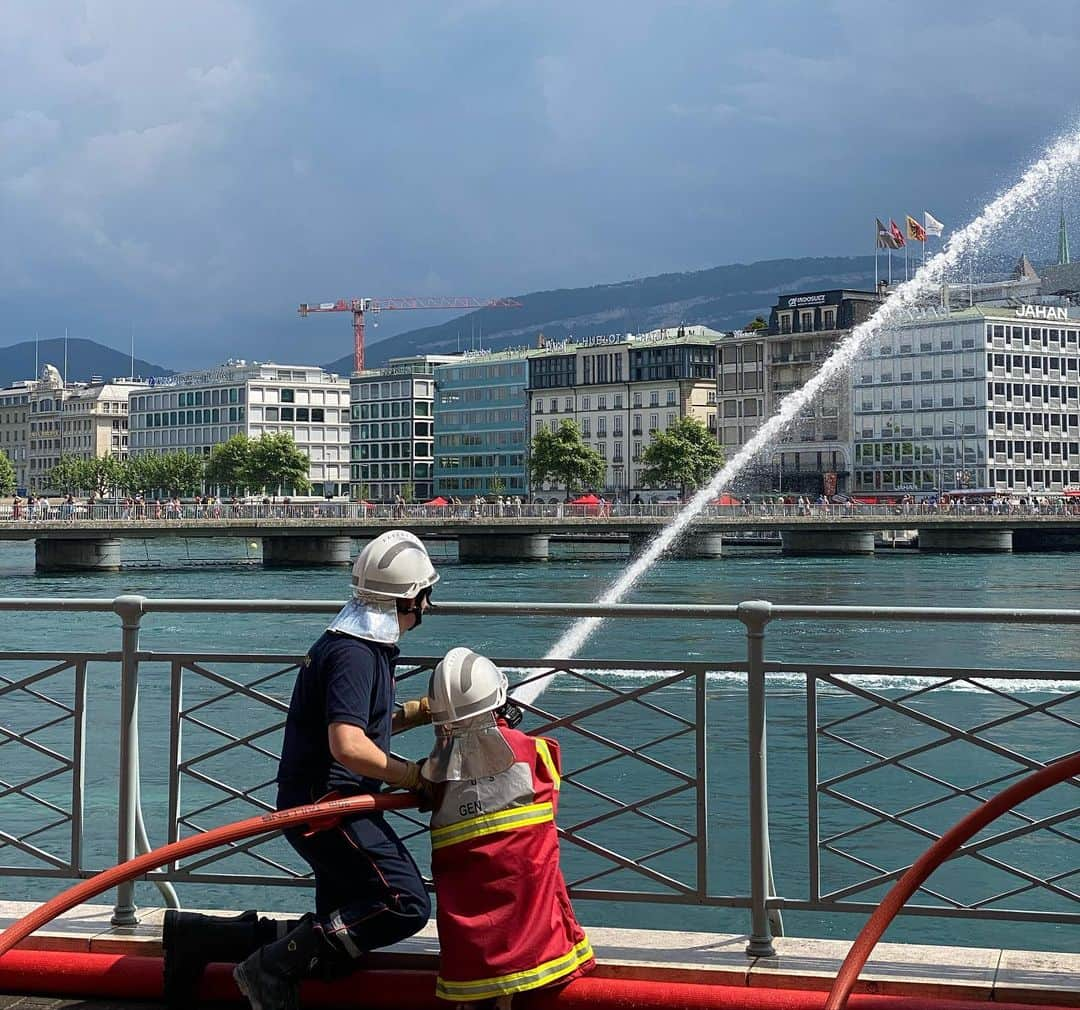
column 504, row 917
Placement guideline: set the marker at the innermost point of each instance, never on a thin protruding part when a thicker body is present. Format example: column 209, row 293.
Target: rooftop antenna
column 65, row 356
column 37, row 365
column 132, row 375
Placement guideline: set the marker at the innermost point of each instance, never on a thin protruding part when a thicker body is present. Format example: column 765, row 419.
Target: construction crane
column 359, row 306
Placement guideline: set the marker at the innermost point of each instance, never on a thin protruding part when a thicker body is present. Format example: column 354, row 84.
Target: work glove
column 416, row 712
column 414, row 781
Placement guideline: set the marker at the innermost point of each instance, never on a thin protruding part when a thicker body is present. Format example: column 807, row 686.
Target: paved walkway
column 971, row 973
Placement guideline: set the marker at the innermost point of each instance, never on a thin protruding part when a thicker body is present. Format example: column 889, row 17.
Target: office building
column 195, row 411
column 480, row 425
column 392, row 432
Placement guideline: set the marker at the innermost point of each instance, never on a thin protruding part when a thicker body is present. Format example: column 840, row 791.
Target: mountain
column 725, row 298
column 85, row 358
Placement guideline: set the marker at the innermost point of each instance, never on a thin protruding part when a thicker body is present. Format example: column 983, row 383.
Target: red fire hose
column 318, row 816
column 942, row 849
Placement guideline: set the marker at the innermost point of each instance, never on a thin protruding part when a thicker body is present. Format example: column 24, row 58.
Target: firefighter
column 494, row 847
column 368, row 890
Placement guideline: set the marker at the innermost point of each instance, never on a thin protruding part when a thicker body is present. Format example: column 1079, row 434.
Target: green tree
column 101, row 474
column 757, row 323
column 561, row 456
column 686, row 455
column 229, row 463
column 7, row 475
column 143, row 473
column 67, row 476
column 181, row 473
column 276, row 464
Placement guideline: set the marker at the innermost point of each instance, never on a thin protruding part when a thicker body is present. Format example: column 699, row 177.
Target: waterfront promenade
column 665, row 815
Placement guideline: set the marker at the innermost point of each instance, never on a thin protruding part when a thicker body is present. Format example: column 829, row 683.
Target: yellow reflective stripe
column 487, row 824
column 549, row 762
column 518, row 981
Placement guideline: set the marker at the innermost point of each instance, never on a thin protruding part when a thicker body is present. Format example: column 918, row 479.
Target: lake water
column 195, row 569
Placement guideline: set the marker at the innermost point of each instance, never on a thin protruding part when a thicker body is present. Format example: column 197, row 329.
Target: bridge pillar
column 690, row 547
column 481, row 548
column 940, row 541
column 834, row 541
column 301, row 552
column 101, row 554
column 1046, row 540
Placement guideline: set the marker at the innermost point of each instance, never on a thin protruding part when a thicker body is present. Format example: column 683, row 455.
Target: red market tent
column 727, row 499
column 586, row 499
column 438, row 502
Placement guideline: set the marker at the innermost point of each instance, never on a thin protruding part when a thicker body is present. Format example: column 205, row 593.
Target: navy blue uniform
column 368, row 890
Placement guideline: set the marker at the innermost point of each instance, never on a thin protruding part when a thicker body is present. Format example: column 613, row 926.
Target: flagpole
column 877, row 249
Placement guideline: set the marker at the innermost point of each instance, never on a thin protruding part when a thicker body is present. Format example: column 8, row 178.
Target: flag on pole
column 897, row 234
column 915, row 231
column 931, row 225
column 885, row 238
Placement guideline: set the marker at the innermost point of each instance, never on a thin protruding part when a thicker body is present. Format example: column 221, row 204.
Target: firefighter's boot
column 270, row 978
column 190, row 941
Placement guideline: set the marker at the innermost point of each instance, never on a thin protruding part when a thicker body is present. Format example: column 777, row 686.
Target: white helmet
column 463, row 685
column 394, row 564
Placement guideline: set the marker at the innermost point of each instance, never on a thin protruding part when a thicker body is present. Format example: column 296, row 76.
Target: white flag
column 932, row 225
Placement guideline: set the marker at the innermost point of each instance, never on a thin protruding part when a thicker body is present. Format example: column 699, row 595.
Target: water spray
column 1059, row 157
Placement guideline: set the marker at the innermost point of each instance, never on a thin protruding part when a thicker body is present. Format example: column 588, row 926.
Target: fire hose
column 317, row 816
column 944, row 848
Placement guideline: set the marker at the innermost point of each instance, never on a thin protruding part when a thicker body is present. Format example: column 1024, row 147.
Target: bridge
column 301, row 536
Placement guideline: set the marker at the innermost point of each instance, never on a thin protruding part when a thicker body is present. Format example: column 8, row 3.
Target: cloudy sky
column 195, row 170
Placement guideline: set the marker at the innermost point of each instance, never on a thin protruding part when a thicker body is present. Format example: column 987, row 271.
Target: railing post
column 130, row 609
column 755, row 615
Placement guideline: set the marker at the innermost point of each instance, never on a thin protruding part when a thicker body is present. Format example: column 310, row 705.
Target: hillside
column 724, row 298
column 85, row 358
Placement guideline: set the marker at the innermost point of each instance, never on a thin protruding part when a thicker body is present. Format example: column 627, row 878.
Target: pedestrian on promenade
column 368, row 891
column 494, row 846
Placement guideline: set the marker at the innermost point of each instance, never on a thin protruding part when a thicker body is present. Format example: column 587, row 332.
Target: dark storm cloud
column 197, row 171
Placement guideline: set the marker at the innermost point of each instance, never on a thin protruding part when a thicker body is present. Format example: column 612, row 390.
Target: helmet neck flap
column 468, row 749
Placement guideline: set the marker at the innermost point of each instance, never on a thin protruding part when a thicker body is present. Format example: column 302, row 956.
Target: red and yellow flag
column 915, row 231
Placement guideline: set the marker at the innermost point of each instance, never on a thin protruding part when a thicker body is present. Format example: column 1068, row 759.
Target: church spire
column 1063, row 239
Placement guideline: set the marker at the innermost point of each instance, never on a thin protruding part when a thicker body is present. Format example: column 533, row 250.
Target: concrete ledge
column 973, row 973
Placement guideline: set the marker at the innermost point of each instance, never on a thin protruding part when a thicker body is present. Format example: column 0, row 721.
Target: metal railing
column 638, row 808
column 791, row 506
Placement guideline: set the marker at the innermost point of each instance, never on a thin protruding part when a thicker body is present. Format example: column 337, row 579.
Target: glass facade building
column 480, row 425
column 392, row 435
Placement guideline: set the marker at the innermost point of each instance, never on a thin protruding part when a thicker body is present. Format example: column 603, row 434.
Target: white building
column 622, row 390
column 984, row 397
column 393, row 429
column 197, row 410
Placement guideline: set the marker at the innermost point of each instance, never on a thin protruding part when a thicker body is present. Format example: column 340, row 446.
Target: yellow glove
column 414, row 781
column 416, row 712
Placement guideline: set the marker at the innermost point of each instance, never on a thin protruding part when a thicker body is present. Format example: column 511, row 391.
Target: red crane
column 358, row 306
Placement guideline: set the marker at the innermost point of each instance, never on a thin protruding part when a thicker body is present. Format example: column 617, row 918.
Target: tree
column 181, row 473
column 275, row 463
column 561, row 456
column 230, row 462
column 67, row 475
column 101, row 474
column 757, row 323
column 7, row 475
column 686, row 454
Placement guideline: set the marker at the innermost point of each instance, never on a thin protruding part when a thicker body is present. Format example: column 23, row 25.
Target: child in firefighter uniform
column 504, row 917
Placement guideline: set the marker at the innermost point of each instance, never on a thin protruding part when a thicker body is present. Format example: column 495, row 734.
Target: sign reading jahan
column 1042, row 312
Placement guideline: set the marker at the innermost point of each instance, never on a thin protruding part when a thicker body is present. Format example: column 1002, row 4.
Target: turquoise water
column 194, row 569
